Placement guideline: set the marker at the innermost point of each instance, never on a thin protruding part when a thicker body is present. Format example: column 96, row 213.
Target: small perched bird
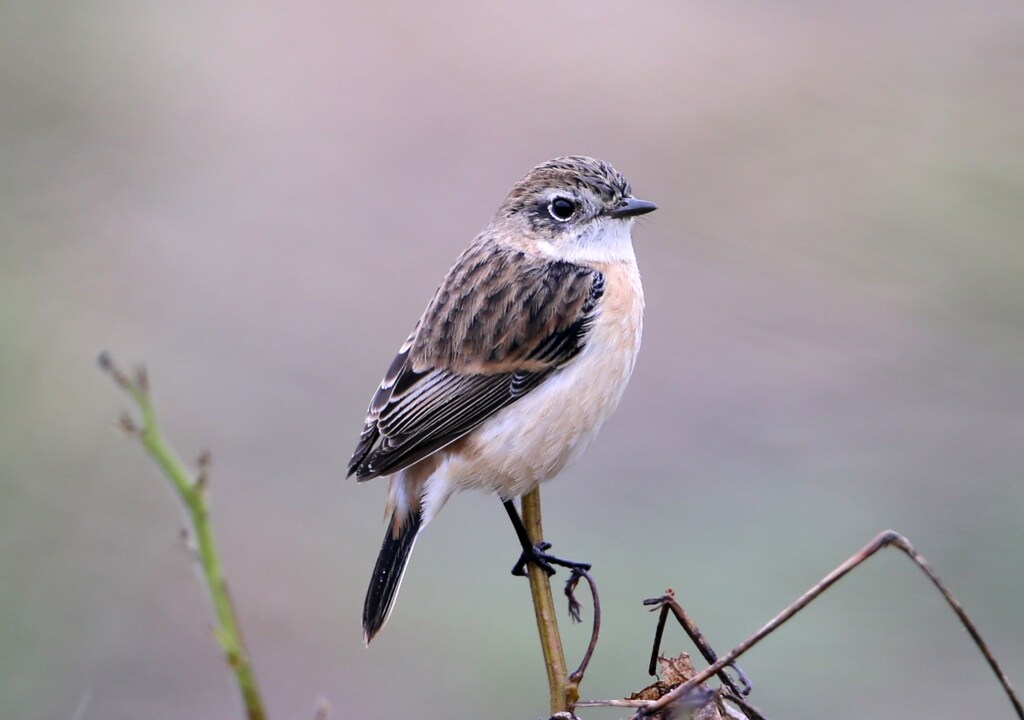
column 519, row 358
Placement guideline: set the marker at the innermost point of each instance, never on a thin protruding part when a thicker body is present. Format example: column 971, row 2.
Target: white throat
column 605, row 240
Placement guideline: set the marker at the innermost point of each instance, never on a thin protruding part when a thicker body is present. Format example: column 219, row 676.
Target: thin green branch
column 564, row 691
column 191, row 490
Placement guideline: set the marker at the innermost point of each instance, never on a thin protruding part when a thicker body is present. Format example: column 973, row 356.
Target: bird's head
column 571, row 208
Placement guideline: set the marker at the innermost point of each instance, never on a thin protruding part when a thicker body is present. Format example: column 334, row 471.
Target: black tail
column 387, row 575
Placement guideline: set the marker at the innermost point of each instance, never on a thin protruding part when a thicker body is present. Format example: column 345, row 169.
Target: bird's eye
column 561, row 209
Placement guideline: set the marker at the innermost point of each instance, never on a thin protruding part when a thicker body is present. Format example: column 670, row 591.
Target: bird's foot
column 544, row 561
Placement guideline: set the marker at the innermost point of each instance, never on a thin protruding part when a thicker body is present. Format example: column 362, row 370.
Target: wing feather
column 496, row 328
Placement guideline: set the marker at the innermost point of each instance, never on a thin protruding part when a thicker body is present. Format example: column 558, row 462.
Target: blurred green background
column 258, row 199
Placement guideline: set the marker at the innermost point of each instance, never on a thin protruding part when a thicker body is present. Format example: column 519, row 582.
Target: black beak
column 631, row 207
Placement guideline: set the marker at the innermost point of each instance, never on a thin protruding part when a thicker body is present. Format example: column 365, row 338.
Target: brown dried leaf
column 675, row 671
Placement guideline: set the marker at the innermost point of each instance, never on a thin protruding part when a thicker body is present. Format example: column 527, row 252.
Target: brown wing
column 497, row 326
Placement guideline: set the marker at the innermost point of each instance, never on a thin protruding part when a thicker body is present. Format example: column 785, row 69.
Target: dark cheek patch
column 540, row 220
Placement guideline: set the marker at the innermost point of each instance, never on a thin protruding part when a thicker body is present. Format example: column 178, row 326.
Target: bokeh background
column 258, row 199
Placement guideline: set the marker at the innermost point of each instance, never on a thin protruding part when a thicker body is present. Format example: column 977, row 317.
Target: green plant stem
column 192, row 493
column 564, row 692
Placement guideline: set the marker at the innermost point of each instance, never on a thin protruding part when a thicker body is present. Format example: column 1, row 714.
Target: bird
column 520, row 356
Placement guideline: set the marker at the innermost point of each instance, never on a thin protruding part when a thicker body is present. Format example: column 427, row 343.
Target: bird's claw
column 544, row 561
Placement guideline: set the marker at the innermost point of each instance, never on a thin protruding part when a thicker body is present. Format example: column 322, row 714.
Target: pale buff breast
column 534, row 439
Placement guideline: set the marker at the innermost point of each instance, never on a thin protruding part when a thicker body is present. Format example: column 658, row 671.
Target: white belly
column 535, row 438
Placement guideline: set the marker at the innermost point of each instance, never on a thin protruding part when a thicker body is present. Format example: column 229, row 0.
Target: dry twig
column 651, row 708
column 563, row 691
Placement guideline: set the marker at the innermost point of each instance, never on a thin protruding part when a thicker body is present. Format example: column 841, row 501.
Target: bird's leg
column 535, row 553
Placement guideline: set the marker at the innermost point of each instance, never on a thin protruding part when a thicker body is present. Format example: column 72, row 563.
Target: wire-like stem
column 576, row 675
column 889, row 538
column 564, row 692
column 191, row 490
